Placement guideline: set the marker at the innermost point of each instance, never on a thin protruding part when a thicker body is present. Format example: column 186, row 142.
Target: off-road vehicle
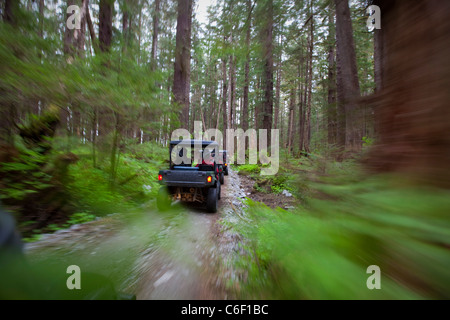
column 224, row 158
column 193, row 175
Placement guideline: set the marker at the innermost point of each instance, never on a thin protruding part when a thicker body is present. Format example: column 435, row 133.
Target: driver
column 208, row 159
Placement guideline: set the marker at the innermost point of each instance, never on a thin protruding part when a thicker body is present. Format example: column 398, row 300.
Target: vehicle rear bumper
column 187, row 184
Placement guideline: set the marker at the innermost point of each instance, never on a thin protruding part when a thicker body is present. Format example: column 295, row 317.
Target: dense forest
column 91, row 91
column 270, row 65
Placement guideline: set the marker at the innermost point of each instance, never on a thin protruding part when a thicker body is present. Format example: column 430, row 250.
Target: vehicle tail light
column 160, row 177
column 209, row 179
column 226, row 164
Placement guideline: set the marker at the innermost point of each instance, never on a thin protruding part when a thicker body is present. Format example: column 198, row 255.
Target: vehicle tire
column 163, row 201
column 219, row 185
column 222, row 179
column 211, row 200
column 226, row 171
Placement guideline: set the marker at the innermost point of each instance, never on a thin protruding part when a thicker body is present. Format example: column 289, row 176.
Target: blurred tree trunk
column 290, row 140
column 126, row 22
column 155, row 34
column 212, row 94
column 331, row 109
column 412, row 105
column 105, row 25
column 91, row 30
column 301, row 90
column 80, row 35
column 10, row 10
column 379, row 67
column 245, row 118
column 69, row 43
column 224, row 98
column 307, row 126
column 259, row 105
column 231, row 92
column 278, row 86
column 267, row 42
column 347, row 82
column 41, row 18
column 74, row 39
column 181, row 83
column 105, row 40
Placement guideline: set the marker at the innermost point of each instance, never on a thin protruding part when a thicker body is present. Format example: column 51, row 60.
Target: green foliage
column 322, row 251
column 34, row 237
column 276, row 189
column 367, row 142
column 248, row 169
column 148, row 152
column 76, row 218
column 136, row 180
column 258, row 188
column 24, row 175
column 91, row 191
column 80, row 217
column 267, row 184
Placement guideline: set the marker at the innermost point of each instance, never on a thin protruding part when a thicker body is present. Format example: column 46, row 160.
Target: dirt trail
column 192, row 262
column 193, row 266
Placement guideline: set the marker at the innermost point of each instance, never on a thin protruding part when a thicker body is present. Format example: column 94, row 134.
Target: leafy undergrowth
column 347, row 223
column 91, row 194
column 276, row 183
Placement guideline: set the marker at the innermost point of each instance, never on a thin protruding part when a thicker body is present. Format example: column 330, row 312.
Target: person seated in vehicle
column 208, row 159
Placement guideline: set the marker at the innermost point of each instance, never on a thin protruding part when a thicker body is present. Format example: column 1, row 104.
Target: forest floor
column 186, row 254
column 272, row 200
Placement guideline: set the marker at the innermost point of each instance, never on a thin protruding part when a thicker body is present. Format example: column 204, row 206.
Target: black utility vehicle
column 193, row 176
column 224, row 155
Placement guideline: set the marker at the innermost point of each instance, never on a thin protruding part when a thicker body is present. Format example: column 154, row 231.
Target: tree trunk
column 412, row 105
column 278, row 87
column 231, row 93
column 347, row 80
column 268, row 68
column 41, row 18
column 114, row 152
column 139, row 37
column 182, row 60
column 9, row 12
column 80, row 35
column 245, row 118
column 301, row 118
column 331, row 109
column 155, row 34
column 91, row 30
column 379, row 67
column 291, row 121
column 307, row 134
column 258, row 105
column 105, row 25
column 69, row 42
column 125, row 25
column 224, row 98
